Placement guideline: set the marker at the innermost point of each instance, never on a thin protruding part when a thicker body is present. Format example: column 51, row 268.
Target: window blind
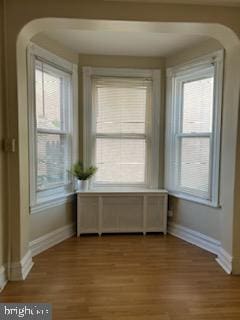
column 194, row 170
column 197, row 106
column 194, row 136
column 123, row 113
column 52, row 126
column 52, row 160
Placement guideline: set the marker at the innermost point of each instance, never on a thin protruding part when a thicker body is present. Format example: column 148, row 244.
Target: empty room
column 119, row 160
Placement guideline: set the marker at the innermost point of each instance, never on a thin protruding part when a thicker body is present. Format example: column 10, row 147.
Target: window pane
column 121, row 106
column 52, row 161
column 194, row 164
column 120, row 160
column 197, row 106
column 49, row 98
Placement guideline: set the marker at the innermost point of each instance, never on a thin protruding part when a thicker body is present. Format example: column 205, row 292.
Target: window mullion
column 120, row 136
column 194, row 135
column 52, row 131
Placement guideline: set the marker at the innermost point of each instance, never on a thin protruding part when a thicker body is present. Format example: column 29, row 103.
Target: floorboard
column 129, row 277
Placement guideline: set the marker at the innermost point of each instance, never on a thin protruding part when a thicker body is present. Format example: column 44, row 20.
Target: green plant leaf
column 78, row 171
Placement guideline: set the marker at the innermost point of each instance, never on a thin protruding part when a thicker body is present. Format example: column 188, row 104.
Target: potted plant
column 82, row 175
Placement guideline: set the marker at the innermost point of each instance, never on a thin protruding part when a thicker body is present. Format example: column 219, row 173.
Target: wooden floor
column 129, row 277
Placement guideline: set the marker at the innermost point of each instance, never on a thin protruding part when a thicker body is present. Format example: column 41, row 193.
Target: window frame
column 42, row 199
column 176, row 76
column 152, row 161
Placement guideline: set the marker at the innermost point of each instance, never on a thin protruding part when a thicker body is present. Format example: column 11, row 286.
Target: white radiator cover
column 122, row 211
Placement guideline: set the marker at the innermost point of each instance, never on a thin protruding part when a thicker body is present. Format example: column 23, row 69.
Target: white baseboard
column 3, row 277
column 194, row 237
column 236, row 265
column 19, row 270
column 51, row 239
column 205, row 242
column 225, row 260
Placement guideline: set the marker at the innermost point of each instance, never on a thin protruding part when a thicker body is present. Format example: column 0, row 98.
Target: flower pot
column 81, row 185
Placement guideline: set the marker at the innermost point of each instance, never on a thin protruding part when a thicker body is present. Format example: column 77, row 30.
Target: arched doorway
column 19, row 231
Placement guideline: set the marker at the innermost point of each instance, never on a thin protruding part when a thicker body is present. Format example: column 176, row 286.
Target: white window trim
column 153, row 166
column 57, row 196
column 52, row 202
column 216, row 58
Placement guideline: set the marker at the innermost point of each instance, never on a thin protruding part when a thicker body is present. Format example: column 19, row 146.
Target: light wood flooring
column 129, row 277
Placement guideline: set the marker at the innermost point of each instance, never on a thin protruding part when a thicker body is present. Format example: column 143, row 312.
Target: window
column 193, row 137
column 52, row 105
column 121, row 127
column 51, row 127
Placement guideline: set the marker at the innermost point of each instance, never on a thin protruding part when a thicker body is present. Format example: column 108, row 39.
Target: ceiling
column 198, row 2
column 124, row 43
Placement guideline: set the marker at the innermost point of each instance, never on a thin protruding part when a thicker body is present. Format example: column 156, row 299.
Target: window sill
column 197, row 200
column 123, row 190
column 49, row 203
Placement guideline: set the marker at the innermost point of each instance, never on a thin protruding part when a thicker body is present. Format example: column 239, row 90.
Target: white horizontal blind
column 194, row 134
column 194, row 166
column 52, row 108
column 198, row 105
column 123, row 113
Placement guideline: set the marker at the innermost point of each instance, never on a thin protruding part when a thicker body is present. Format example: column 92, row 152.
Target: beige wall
column 213, row 18
column 121, row 61
column 3, row 230
column 195, row 216
column 55, row 47
column 52, row 219
column 195, row 51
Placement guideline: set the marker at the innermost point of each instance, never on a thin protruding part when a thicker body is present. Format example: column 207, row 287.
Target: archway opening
column 226, row 215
